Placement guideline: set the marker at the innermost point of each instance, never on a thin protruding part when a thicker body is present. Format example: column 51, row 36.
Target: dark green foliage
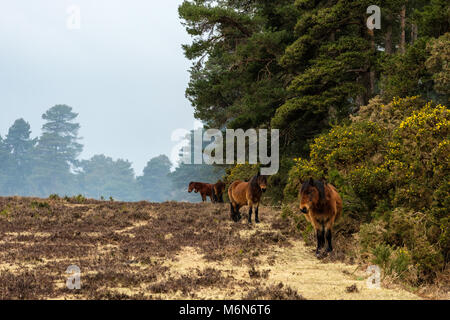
column 433, row 17
column 406, row 75
column 241, row 83
column 330, row 62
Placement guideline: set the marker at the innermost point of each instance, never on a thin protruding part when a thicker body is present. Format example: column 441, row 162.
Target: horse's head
column 312, row 194
column 219, row 187
column 262, row 182
column 192, row 187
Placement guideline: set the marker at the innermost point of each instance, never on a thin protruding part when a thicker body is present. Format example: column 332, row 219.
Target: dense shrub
column 391, row 166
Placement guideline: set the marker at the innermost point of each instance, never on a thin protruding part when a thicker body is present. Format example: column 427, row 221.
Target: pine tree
column 331, row 61
column 236, row 80
column 59, row 140
column 21, row 147
column 56, row 152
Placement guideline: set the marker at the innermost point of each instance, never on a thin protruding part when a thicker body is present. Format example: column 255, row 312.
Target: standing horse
column 219, row 187
column 322, row 206
column 246, row 193
column 205, row 189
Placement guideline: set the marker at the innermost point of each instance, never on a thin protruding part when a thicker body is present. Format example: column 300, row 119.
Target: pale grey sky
column 123, row 71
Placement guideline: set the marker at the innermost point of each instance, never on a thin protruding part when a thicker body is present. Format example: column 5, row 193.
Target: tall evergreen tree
column 21, row 147
column 331, row 61
column 56, row 152
column 236, row 79
column 60, row 138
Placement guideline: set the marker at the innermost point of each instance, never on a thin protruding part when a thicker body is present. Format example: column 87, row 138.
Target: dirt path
column 297, row 267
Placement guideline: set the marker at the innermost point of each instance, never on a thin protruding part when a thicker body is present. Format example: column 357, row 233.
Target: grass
column 161, row 251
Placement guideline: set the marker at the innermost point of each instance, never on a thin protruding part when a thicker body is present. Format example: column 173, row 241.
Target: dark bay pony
column 322, row 206
column 205, row 189
column 219, row 188
column 246, row 193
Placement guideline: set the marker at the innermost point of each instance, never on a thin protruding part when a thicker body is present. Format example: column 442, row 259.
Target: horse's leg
column 203, row 197
column 232, row 213
column 250, row 214
column 328, row 237
column 257, row 213
column 328, row 233
column 239, row 217
column 320, row 233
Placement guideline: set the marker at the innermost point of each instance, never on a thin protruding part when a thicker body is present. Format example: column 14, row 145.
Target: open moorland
column 165, row 251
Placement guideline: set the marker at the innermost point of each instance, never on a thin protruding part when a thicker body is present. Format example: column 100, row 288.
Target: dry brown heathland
column 164, row 251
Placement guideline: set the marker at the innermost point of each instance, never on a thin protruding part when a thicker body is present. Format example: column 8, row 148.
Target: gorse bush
column 391, row 166
column 240, row 172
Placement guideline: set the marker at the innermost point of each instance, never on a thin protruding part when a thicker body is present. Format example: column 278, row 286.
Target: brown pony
column 219, row 187
column 205, row 189
column 322, row 206
column 246, row 193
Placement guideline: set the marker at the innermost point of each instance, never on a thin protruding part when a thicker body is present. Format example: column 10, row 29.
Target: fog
column 123, row 71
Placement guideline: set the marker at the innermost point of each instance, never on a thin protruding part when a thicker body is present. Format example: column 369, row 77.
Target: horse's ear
column 311, row 181
column 259, row 173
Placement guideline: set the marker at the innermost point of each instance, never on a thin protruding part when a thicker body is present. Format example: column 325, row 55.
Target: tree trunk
column 388, row 35
column 403, row 29
column 372, row 71
column 413, row 33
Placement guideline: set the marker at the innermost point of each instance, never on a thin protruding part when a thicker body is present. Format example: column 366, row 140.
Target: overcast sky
column 123, row 71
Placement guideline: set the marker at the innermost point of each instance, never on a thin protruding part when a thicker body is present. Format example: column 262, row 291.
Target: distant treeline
column 49, row 164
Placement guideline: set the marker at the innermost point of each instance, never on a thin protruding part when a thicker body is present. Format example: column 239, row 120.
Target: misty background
column 123, row 74
column 123, row 71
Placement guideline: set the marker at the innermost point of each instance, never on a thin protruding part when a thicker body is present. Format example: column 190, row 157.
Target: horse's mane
column 318, row 184
column 254, row 180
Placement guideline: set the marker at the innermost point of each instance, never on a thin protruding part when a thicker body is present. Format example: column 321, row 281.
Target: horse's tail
column 230, row 193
